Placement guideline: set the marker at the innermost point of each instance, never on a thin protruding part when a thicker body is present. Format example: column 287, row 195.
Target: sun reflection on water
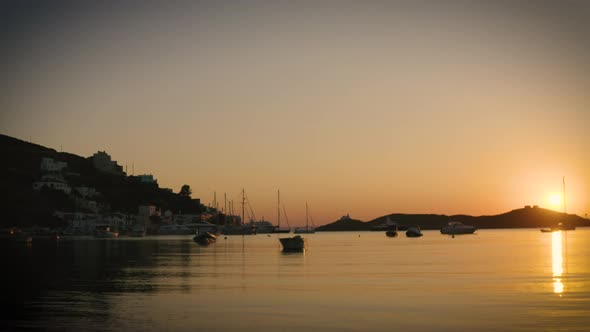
column 556, row 246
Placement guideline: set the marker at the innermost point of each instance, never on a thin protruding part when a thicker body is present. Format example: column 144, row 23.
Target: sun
column 555, row 200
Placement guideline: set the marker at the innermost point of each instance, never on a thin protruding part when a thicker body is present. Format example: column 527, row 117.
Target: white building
column 85, row 191
column 102, row 162
column 50, row 165
column 52, row 182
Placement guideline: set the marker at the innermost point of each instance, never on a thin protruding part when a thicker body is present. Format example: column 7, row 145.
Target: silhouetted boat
column 560, row 226
column 391, row 232
column 278, row 228
column 413, row 231
column 295, row 243
column 455, row 228
column 205, row 238
column 305, row 230
column 105, row 232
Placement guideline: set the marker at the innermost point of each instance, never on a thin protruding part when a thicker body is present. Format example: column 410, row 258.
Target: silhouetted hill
column 22, row 206
column 529, row 217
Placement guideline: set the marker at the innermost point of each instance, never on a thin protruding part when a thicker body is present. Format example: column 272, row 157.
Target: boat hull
column 391, row 233
column 205, row 238
column 296, row 243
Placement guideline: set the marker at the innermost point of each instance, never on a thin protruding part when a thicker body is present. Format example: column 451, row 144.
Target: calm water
column 517, row 280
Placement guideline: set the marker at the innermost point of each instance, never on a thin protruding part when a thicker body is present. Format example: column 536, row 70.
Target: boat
column 392, row 232
column 305, row 230
column 205, row 238
column 243, row 228
column 295, row 243
column 278, row 228
column 413, row 231
column 105, row 232
column 560, row 226
column 456, row 227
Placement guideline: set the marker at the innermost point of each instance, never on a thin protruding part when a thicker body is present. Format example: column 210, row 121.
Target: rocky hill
column 24, row 206
column 528, row 217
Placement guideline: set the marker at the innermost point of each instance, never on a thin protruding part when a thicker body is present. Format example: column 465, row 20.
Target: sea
column 493, row 280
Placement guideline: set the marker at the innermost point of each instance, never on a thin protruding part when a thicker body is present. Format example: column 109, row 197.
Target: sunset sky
column 367, row 107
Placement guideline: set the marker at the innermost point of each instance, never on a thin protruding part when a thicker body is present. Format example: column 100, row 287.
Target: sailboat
column 278, row 228
column 243, row 228
column 295, row 243
column 560, row 226
column 305, row 230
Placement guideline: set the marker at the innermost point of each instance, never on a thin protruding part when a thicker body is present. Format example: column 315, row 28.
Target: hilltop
column 111, row 191
column 527, row 217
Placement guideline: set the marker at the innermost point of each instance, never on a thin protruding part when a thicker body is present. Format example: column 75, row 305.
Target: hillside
column 23, row 206
column 528, row 217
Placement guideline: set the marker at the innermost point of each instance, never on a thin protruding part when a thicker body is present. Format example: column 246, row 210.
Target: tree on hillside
column 185, row 191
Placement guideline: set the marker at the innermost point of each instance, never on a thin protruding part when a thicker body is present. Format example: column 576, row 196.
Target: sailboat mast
column 306, row 218
column 564, row 210
column 278, row 209
column 243, row 203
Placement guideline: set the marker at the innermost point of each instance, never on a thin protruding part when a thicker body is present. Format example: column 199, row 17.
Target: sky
column 359, row 107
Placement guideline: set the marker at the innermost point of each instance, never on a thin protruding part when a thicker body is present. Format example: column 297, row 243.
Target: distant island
column 526, row 217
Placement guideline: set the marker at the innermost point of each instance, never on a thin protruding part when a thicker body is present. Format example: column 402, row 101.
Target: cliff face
column 23, row 206
column 519, row 218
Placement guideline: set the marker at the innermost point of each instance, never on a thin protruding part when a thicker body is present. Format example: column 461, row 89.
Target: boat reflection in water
column 557, row 261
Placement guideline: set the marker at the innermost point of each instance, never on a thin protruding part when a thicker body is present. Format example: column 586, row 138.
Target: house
column 54, row 182
column 50, row 165
column 102, row 162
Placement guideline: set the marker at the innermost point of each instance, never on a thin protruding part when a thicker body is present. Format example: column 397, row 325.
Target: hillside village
column 52, row 189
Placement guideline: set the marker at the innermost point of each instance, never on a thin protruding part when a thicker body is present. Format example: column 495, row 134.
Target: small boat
column 391, row 232
column 205, row 238
column 105, row 232
column 455, row 227
column 295, row 243
column 413, row 231
column 559, row 227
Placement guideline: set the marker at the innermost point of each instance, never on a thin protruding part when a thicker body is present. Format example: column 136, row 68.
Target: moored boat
column 413, row 231
column 559, row 227
column 205, row 238
column 391, row 232
column 105, row 232
column 306, row 229
column 295, row 243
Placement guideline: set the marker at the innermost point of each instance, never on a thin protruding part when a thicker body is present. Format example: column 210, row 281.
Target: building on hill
column 102, row 162
column 146, row 178
column 50, row 165
column 52, row 182
column 86, row 192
